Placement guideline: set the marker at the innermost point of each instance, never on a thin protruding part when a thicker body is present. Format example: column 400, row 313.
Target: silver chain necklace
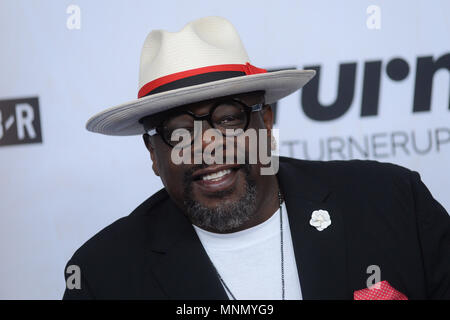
column 282, row 256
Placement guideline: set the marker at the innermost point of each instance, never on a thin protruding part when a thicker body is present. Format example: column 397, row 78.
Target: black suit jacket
column 381, row 214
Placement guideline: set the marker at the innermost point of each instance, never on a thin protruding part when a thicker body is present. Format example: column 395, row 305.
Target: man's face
column 217, row 197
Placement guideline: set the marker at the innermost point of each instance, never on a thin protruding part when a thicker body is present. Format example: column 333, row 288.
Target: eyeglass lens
column 229, row 115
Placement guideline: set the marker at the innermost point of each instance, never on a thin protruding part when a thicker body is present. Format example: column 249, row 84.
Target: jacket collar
column 182, row 268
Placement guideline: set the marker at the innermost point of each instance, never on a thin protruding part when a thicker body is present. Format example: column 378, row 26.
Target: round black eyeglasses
column 231, row 117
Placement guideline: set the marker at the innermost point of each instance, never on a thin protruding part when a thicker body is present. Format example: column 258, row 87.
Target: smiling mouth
column 219, row 180
column 216, row 175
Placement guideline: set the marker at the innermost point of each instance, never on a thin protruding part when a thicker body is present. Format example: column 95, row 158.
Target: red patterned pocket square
column 379, row 291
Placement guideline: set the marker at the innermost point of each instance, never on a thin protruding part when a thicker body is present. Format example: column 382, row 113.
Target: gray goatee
column 227, row 215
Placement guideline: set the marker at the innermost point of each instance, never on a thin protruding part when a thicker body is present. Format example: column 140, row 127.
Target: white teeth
column 216, row 175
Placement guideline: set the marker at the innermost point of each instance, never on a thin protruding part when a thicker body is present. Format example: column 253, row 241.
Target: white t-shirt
column 249, row 261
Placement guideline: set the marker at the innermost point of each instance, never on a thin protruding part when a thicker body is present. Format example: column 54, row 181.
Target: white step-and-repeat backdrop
column 381, row 92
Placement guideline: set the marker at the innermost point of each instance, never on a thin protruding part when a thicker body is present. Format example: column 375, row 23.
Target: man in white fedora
column 224, row 227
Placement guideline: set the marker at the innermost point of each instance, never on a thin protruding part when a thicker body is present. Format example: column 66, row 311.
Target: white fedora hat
column 205, row 60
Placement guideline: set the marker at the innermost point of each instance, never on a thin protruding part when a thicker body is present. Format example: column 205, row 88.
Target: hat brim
column 123, row 120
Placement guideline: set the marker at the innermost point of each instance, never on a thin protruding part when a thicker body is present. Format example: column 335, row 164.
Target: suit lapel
column 320, row 255
column 179, row 262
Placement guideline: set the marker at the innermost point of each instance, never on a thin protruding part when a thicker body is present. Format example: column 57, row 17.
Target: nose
column 204, row 134
column 208, row 140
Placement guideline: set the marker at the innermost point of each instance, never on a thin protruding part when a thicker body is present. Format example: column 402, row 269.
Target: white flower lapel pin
column 320, row 219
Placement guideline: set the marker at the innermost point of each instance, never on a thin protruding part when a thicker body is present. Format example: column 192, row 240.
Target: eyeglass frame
column 157, row 130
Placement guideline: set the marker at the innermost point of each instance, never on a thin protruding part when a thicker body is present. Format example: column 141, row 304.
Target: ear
column 150, row 147
column 267, row 115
